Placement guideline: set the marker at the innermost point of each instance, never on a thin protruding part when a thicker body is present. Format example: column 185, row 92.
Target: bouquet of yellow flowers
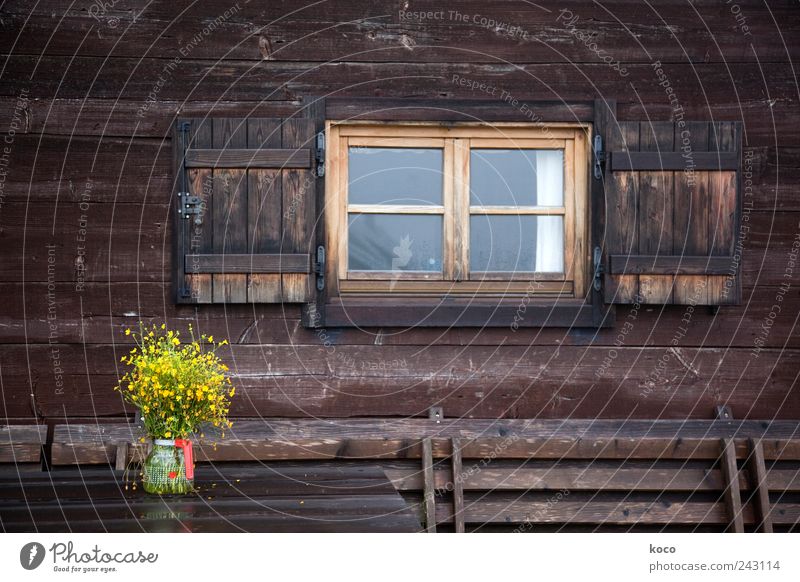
column 177, row 386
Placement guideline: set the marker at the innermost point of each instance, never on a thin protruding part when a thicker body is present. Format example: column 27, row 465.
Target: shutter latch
column 190, row 205
column 320, row 154
column 599, row 157
column 319, row 268
column 598, row 269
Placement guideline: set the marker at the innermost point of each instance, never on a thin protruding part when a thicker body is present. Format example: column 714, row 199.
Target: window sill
column 512, row 313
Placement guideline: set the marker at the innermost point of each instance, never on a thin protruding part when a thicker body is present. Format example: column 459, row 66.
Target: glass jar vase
column 165, row 470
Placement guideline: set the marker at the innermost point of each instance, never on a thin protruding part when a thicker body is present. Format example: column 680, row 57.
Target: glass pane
column 395, row 176
column 395, row 242
column 516, row 177
column 516, row 243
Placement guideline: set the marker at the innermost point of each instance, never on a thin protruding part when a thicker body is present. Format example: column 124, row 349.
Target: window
column 461, row 209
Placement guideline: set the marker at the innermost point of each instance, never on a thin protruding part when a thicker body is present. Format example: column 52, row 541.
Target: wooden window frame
column 456, row 140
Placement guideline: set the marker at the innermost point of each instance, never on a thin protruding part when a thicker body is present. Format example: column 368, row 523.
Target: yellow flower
column 176, row 386
column 127, row 332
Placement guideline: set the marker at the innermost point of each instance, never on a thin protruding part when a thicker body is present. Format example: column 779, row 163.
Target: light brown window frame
column 456, row 140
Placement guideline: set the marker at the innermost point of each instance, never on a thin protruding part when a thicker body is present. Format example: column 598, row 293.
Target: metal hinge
column 190, row 205
column 598, row 269
column 319, row 268
column 320, row 154
column 599, row 157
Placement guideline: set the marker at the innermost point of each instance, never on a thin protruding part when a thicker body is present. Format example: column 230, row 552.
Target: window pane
column 516, row 177
column 395, row 176
column 395, row 242
column 516, row 243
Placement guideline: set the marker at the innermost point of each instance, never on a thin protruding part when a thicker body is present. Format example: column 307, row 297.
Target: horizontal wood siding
column 86, row 231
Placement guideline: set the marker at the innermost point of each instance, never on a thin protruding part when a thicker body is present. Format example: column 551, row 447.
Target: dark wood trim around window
column 513, row 313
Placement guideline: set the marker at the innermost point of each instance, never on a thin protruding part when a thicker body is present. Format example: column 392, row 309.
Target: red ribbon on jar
column 186, row 446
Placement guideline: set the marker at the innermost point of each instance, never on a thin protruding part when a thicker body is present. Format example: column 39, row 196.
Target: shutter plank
column 691, row 215
column 264, row 198
column 248, row 158
column 230, row 211
column 298, row 207
column 656, row 191
column 621, row 209
column 722, row 226
column 201, row 184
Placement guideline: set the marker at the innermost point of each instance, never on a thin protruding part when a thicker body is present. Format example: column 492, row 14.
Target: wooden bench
column 250, row 497
column 528, row 475
column 679, row 490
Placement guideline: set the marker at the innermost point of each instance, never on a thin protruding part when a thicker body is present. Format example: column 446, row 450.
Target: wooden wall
column 87, row 98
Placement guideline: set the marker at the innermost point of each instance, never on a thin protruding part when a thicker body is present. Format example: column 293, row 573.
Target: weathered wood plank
column 429, row 493
column 299, row 209
column 378, row 31
column 496, row 384
column 21, row 443
column 233, row 158
column 604, row 512
column 229, row 214
column 622, row 225
column 112, row 119
column 732, row 493
column 655, row 210
column 625, row 475
column 723, row 225
column 458, row 484
column 264, row 210
column 105, row 318
column 255, row 263
column 690, row 216
column 667, row 160
column 470, row 312
column 126, row 78
column 670, row 265
column 353, row 439
column 760, row 484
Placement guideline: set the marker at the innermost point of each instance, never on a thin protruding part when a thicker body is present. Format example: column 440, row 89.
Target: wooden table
column 250, row 497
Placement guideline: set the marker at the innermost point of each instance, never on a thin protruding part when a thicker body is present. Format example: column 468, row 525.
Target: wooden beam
column 585, row 475
column 758, row 477
column 672, row 161
column 485, row 110
column 429, row 491
column 237, row 263
column 601, row 510
column 669, row 265
column 478, row 313
column 732, row 492
column 244, row 158
column 287, row 439
column 458, row 485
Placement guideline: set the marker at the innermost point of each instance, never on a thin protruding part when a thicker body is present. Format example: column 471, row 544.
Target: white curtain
column 550, row 229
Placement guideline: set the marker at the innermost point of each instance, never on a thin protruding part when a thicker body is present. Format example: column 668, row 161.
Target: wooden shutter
column 672, row 210
column 246, row 234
